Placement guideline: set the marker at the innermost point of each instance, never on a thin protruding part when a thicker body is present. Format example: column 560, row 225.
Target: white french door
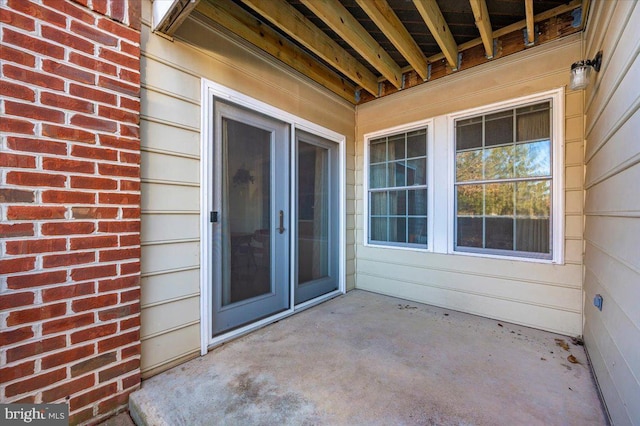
column 251, row 208
column 272, row 215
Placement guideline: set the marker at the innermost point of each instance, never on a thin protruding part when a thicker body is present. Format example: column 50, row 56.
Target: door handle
column 281, row 227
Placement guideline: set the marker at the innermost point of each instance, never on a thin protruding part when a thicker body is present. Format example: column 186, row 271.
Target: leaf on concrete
column 562, row 344
column 572, row 359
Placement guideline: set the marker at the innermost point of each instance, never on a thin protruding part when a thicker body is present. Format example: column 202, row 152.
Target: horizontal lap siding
column 170, row 169
column 170, row 164
column 612, row 208
column 546, row 296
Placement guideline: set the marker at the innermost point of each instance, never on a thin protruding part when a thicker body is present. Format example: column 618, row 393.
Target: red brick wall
column 70, row 212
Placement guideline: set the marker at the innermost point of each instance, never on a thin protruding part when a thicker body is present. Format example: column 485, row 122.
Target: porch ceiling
column 364, row 49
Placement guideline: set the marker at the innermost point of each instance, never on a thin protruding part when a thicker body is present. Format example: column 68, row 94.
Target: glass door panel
column 251, row 241
column 313, row 223
column 317, row 220
column 247, row 172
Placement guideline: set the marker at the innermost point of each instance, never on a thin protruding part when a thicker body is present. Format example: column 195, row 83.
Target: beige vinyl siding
column 612, row 207
column 541, row 295
column 170, row 168
column 170, row 163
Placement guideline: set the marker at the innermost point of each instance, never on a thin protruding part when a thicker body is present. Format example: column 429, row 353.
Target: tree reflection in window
column 503, row 181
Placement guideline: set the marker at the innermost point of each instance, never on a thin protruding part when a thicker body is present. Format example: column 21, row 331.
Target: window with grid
column 398, row 189
column 503, row 182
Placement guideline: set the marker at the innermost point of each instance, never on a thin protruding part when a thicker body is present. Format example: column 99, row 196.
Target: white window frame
column 417, row 125
column 557, row 151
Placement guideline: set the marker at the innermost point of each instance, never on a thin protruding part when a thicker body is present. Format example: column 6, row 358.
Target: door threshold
column 234, row 334
column 320, row 299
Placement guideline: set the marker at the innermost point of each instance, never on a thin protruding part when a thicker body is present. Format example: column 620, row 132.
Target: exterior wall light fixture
column 581, row 72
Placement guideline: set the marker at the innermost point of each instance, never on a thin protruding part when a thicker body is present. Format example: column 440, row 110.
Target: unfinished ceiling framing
column 365, row 49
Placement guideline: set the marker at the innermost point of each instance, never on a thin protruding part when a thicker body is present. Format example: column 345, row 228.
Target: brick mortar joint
column 68, row 346
column 37, row 34
column 39, row 91
column 91, row 8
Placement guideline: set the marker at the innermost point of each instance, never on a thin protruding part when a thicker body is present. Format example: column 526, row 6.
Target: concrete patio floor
column 368, row 359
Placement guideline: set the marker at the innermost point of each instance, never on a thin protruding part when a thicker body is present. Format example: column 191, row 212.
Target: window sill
column 505, row 257
column 399, row 247
column 465, row 253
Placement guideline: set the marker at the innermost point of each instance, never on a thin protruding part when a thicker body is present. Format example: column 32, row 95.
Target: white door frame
column 209, row 91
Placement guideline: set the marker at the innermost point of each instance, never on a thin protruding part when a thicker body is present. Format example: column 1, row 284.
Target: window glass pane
column 498, row 128
column 417, row 143
column 378, row 176
column 499, row 215
column 506, row 215
column 469, row 200
column 417, row 172
column 533, row 122
column 398, row 229
column 533, row 159
column 469, row 133
column 532, row 235
column 499, row 233
column 378, row 229
column 397, row 174
column 469, row 231
column 396, row 147
column 498, row 162
column 533, row 199
column 417, row 230
column 398, row 202
column 469, row 165
column 398, row 162
column 499, row 199
column 379, row 203
column 533, row 212
column 417, row 202
column 378, row 150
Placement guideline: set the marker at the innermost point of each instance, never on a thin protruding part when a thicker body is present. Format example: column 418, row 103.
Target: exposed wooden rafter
column 385, row 18
column 508, row 40
column 338, row 18
column 531, row 34
column 439, row 29
column 297, row 26
column 232, row 17
column 481, row 15
column 572, row 5
column 289, row 30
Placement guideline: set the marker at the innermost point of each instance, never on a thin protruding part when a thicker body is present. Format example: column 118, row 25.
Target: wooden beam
column 550, row 29
column 439, row 29
column 481, row 15
column 296, row 25
column 235, row 19
column 528, row 8
column 385, row 18
column 574, row 4
column 338, row 18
